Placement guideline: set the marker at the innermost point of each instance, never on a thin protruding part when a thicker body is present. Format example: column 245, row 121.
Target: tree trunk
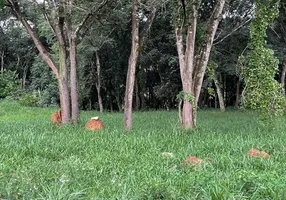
column 132, row 66
column 192, row 68
column 283, row 76
column 237, row 93
column 119, row 103
column 219, row 93
column 98, row 82
column 111, row 104
column 63, row 85
column 60, row 75
column 73, row 80
column 2, row 64
column 64, row 100
column 137, row 98
column 186, row 68
column 25, row 70
column 203, row 57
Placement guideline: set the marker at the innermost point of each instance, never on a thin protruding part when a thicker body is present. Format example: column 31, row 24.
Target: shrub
column 29, row 99
column 8, row 84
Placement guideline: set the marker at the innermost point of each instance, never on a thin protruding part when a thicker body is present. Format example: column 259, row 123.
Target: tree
column 138, row 38
column 276, row 38
column 132, row 65
column 68, row 33
column 262, row 91
column 212, row 73
column 193, row 59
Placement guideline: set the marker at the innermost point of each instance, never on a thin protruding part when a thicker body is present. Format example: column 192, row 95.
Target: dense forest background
column 105, row 48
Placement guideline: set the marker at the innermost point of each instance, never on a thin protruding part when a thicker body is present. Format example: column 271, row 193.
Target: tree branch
column 232, row 32
column 88, row 20
column 41, row 48
column 147, row 27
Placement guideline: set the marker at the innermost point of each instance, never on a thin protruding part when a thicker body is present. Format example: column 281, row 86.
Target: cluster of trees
column 143, row 54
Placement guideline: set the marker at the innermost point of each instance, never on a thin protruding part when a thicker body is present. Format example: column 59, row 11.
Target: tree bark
column 219, row 93
column 283, row 76
column 73, row 80
column 137, row 98
column 63, row 85
column 119, row 103
column 72, row 40
column 2, row 64
column 237, row 94
column 143, row 35
column 98, row 82
column 203, row 57
column 186, row 68
column 25, row 70
column 132, row 66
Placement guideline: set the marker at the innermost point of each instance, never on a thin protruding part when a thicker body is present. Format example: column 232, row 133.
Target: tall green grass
column 41, row 161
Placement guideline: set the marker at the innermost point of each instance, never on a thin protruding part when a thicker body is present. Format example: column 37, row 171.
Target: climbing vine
column 184, row 96
column 262, row 91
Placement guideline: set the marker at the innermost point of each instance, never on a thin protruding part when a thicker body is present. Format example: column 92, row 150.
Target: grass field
column 41, row 161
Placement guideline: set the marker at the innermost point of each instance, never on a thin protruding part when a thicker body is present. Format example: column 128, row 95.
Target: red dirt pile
column 193, row 160
column 56, row 118
column 255, row 153
column 94, row 124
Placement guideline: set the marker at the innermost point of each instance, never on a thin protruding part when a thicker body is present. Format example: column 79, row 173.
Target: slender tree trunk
column 73, row 80
column 142, row 100
column 111, row 105
column 98, row 82
column 119, row 103
column 137, row 98
column 219, row 93
column 283, row 76
column 237, row 93
column 132, row 66
column 25, row 69
column 2, row 64
column 203, row 57
column 143, row 35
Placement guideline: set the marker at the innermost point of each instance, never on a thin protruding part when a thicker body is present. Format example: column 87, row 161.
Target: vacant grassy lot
column 40, row 161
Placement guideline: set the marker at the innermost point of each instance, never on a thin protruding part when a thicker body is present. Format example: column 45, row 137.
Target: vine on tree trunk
column 262, row 91
column 184, row 96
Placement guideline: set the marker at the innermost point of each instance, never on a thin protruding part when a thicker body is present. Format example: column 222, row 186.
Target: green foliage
column 29, row 99
column 211, row 69
column 186, row 96
column 46, row 162
column 262, row 91
column 1, row 4
column 43, row 83
column 9, row 84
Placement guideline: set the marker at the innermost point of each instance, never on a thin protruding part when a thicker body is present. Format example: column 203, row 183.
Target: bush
column 9, row 84
column 30, row 100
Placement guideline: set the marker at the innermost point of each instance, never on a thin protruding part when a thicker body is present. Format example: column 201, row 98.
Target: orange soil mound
column 56, row 118
column 95, row 124
column 193, row 160
column 255, row 153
